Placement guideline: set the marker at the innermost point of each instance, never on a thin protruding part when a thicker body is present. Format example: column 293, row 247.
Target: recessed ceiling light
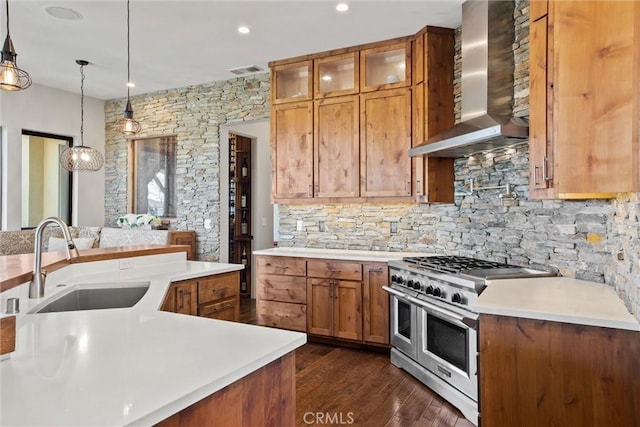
column 63, row 13
column 243, row 29
column 131, row 84
column 342, row 7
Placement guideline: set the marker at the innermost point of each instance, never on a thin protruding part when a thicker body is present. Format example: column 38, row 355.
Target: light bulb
column 8, row 74
column 128, row 126
column 74, row 156
column 85, row 157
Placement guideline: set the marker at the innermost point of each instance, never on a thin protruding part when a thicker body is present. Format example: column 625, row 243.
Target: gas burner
column 452, row 264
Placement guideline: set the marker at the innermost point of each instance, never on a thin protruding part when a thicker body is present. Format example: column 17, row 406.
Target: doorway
column 261, row 218
column 46, row 185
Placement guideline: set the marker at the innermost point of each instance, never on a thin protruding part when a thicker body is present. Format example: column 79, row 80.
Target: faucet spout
column 36, row 287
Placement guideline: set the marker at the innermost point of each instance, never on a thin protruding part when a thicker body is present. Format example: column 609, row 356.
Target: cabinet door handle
column 418, row 187
column 536, row 169
column 545, row 177
column 310, row 191
column 181, row 299
column 317, row 188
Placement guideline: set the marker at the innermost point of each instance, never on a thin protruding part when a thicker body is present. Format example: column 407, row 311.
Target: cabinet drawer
column 282, row 288
column 218, row 287
column 281, row 265
column 334, row 269
column 225, row 310
column 282, row 315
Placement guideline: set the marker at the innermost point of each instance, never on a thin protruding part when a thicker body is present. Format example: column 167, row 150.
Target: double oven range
column 433, row 327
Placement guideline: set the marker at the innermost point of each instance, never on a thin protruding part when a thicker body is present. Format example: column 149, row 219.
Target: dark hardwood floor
column 344, row 386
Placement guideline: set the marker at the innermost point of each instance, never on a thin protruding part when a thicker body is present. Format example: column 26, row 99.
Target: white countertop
column 559, row 299
column 130, row 366
column 343, row 254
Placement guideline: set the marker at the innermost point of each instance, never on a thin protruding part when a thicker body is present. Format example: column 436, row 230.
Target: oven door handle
column 471, row 323
column 396, row 293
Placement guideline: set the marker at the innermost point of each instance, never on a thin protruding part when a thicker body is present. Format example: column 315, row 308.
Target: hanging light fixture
column 128, row 125
column 81, row 157
column 11, row 77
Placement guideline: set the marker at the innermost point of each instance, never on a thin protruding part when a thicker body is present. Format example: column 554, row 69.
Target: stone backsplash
column 194, row 114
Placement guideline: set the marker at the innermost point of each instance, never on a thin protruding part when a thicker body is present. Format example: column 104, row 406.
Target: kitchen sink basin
column 96, row 296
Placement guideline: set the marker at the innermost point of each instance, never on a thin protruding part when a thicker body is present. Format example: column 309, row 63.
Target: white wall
column 44, row 109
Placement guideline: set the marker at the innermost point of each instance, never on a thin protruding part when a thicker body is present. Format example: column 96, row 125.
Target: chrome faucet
column 36, row 287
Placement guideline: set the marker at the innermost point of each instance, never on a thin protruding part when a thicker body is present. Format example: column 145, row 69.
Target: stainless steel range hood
column 487, row 120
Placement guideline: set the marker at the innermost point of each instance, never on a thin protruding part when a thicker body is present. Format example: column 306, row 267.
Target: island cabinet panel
column 375, row 302
column 282, row 292
column 385, row 139
column 584, row 114
column 184, row 237
column 292, row 150
column 7, row 334
column 336, row 147
column 182, row 298
column 542, row 373
column 265, row 397
column 216, row 297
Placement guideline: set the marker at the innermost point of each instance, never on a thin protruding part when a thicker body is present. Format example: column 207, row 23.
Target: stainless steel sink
column 95, row 296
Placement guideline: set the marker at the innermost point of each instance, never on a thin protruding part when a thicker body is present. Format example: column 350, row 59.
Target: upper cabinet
column 386, row 67
column 584, row 114
column 337, row 75
column 292, row 82
column 349, row 140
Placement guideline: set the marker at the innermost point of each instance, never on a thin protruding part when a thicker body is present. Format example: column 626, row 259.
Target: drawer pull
column 376, row 269
column 220, row 290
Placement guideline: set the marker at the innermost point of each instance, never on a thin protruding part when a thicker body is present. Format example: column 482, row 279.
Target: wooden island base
column 264, row 397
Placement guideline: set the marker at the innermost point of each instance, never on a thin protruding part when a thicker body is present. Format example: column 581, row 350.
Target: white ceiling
column 181, row 43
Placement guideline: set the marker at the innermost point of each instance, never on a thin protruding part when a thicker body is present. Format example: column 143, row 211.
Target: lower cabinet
column 282, row 292
column 216, row 297
column 326, row 298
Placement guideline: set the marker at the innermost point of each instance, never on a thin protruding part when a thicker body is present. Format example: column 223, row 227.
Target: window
column 153, row 176
column 46, row 186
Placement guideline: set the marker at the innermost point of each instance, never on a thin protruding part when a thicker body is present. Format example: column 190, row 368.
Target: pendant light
column 80, row 157
column 11, row 77
column 128, row 125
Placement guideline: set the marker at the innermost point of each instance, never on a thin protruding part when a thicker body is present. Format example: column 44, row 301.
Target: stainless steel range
column 433, row 328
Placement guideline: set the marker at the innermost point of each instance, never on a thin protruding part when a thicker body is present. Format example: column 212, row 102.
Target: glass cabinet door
column 292, row 82
column 386, row 67
column 337, row 75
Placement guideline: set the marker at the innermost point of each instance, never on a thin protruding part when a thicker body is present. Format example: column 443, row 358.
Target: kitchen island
column 557, row 351
column 138, row 365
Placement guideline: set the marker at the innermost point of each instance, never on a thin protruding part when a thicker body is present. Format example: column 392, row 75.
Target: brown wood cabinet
column 292, row 151
column 184, row 237
column 542, row 373
column 292, row 82
column 182, row 298
column 282, row 292
column 584, row 114
column 326, row 298
column 375, row 302
column 364, row 95
column 385, row 139
column 216, row 297
column 334, row 299
column 336, row 147
column 432, row 112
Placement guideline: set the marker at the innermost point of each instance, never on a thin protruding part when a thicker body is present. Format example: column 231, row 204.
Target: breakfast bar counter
column 127, row 366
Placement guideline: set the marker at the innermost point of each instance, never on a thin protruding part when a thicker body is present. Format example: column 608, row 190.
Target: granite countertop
column 128, row 366
column 558, row 299
column 343, row 254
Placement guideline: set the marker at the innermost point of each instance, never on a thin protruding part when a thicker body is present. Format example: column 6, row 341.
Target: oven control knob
column 457, row 297
column 429, row 290
column 394, row 278
column 400, row 280
column 410, row 283
column 437, row 292
column 417, row 285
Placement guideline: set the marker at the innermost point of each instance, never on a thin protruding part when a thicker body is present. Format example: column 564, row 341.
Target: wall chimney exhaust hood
column 487, row 120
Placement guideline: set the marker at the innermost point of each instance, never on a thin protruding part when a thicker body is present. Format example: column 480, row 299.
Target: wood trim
column 266, row 397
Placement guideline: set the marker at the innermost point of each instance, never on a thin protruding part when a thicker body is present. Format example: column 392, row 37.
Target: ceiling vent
column 243, row 71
